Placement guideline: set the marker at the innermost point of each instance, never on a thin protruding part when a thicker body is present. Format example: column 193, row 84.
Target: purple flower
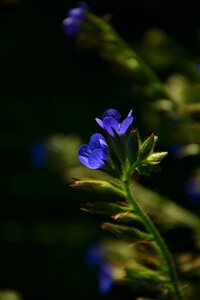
column 38, row 155
column 95, row 255
column 105, row 278
column 93, row 155
column 198, row 65
column 74, row 18
column 192, row 189
column 111, row 120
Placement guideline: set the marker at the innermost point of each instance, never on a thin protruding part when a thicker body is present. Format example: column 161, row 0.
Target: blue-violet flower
column 93, row 155
column 38, row 154
column 95, row 255
column 111, row 120
column 74, row 18
column 198, row 65
column 105, row 278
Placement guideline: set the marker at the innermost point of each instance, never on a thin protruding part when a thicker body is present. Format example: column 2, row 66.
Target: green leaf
column 119, row 146
column 156, row 157
column 144, row 274
column 106, row 208
column 147, row 147
column 133, row 146
column 126, row 217
column 147, row 247
column 115, row 162
column 127, row 233
column 98, row 185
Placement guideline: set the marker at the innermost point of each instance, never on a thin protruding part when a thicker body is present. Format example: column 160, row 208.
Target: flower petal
column 95, row 160
column 83, row 154
column 126, row 123
column 99, row 122
column 77, row 13
column 95, row 141
column 130, row 113
column 105, row 278
column 104, row 147
column 70, row 26
column 110, row 123
column 111, row 112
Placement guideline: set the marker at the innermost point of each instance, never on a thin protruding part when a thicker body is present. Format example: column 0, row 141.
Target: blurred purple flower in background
column 75, row 17
column 174, row 150
column 105, row 278
column 192, row 189
column 38, row 154
column 198, row 65
column 95, row 257
column 111, row 120
column 93, row 155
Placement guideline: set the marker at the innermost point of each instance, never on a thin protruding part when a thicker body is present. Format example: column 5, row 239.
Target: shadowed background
column 50, row 86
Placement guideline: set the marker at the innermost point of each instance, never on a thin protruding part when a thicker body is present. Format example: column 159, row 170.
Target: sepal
column 133, row 146
column 127, row 233
column 117, row 152
column 126, row 217
column 119, row 146
column 106, row 208
column 98, row 186
column 147, row 147
column 147, row 160
column 156, row 157
column 148, row 277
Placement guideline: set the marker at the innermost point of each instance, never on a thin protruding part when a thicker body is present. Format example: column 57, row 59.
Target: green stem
column 157, row 238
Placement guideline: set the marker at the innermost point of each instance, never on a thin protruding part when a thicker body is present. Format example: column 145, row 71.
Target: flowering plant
column 120, row 153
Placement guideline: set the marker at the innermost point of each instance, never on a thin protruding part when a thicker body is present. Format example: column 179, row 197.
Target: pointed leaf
column 125, row 232
column 105, row 208
column 98, row 185
column 144, row 274
column 156, row 157
column 119, row 146
column 126, row 217
column 147, row 247
column 114, row 163
column 147, row 147
column 150, row 261
column 133, row 146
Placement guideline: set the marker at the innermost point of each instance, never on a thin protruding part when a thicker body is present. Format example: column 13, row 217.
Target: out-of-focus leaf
column 98, row 186
column 147, row 276
column 106, row 208
column 164, row 211
column 127, row 233
column 126, row 217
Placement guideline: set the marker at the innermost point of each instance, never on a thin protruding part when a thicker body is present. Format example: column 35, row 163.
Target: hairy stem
column 157, row 238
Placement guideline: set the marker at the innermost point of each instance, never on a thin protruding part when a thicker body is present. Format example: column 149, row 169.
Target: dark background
column 50, row 86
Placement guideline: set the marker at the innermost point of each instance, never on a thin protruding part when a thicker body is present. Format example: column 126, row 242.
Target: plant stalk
column 157, row 238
